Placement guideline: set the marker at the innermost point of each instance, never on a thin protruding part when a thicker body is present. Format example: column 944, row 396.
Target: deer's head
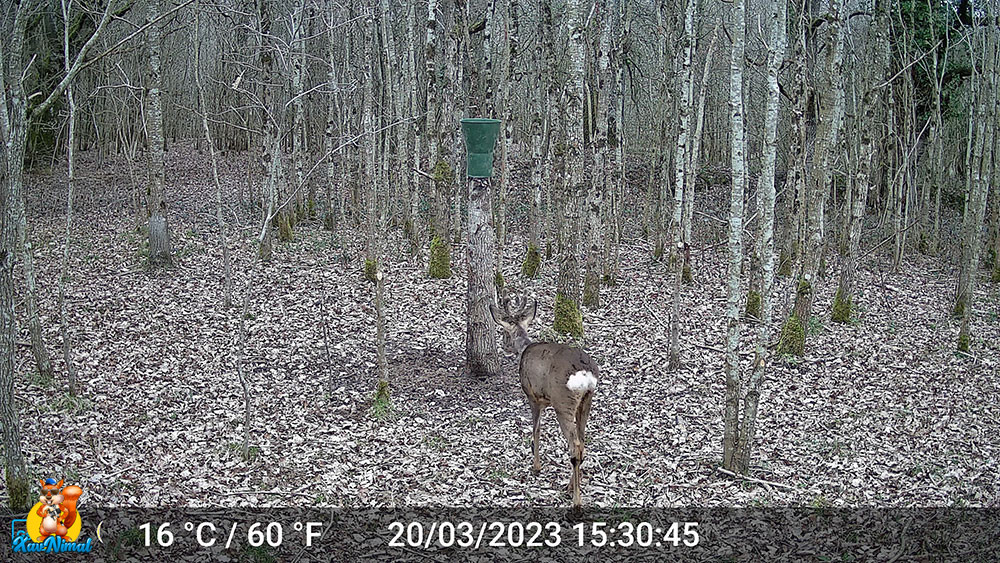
column 514, row 319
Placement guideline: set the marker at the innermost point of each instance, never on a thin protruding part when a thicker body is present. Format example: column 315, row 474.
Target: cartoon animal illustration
column 57, row 508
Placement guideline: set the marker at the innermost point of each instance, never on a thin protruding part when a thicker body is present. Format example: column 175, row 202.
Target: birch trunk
column 681, row 163
column 732, row 365
column 765, row 243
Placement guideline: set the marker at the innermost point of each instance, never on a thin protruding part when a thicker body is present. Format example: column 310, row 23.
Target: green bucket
column 480, row 137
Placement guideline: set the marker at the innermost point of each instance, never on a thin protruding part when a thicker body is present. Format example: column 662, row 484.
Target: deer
column 551, row 374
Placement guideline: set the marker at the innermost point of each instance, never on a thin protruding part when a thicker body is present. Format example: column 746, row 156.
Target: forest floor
column 879, row 412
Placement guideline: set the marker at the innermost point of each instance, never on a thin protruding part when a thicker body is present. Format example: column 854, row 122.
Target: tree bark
column 735, row 244
column 979, row 168
column 599, row 167
column 830, row 115
column 681, row 163
column 843, row 304
column 14, row 119
column 156, row 203
column 481, row 357
column 568, row 319
column 765, row 243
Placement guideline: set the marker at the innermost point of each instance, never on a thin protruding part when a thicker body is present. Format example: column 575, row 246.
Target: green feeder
column 480, row 137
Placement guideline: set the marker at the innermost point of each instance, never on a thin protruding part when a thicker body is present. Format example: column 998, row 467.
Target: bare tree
column 681, row 162
column 843, row 303
column 979, row 166
column 568, row 319
column 831, row 112
column 747, row 423
column 735, row 244
column 156, row 202
column 67, row 341
column 14, row 121
column 227, row 268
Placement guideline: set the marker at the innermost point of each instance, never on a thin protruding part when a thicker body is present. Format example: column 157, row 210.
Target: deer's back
column 546, row 369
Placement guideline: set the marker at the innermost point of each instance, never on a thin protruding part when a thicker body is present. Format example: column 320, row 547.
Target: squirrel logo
column 55, row 512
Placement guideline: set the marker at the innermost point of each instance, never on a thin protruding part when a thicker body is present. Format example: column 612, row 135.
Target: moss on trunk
column 532, row 262
column 382, row 403
column 963, row 342
column 371, row 268
column 959, row 310
column 568, row 319
column 285, row 228
column 793, row 337
column 686, row 276
column 753, row 304
column 440, row 264
column 841, row 308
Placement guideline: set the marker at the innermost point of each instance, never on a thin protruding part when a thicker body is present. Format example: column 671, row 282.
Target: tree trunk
column 14, row 123
column 219, row 220
column 765, row 243
column 67, row 341
column 481, row 357
column 599, row 172
column 795, row 190
column 681, row 163
column 417, row 120
column 843, row 303
column 568, row 319
column 156, row 203
column 979, row 169
column 694, row 156
column 732, row 365
column 793, row 333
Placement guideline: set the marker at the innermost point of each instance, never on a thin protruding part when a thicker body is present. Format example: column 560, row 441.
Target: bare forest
column 713, row 253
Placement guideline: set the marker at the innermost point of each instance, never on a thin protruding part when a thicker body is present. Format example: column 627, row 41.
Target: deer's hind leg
column 568, row 424
column 536, row 419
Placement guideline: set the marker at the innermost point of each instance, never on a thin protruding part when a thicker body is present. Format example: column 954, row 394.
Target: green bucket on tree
column 480, row 137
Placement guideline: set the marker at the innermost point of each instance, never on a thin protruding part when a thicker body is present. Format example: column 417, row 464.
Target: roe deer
column 551, row 374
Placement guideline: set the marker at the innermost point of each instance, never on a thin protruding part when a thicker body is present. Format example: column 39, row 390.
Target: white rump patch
column 582, row 381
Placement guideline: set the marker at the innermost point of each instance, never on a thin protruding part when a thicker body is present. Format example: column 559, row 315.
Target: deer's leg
column 582, row 415
column 567, row 422
column 536, row 419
